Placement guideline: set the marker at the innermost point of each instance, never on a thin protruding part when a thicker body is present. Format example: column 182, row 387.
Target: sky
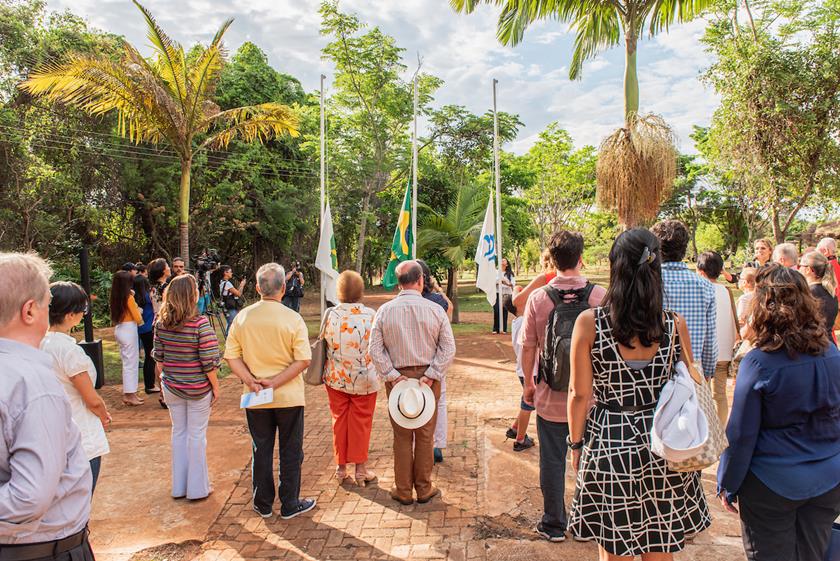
column 460, row 49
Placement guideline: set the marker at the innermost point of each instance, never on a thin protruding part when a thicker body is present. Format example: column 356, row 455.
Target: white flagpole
column 414, row 177
column 323, row 187
column 498, row 202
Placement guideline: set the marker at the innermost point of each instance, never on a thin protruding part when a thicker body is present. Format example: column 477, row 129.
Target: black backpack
column 555, row 357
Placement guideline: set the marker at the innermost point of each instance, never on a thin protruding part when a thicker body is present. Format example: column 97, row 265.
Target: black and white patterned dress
column 626, row 497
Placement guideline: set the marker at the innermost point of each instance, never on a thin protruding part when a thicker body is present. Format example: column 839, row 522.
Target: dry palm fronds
column 637, row 165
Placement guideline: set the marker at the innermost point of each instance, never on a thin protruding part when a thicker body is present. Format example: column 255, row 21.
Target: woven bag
column 717, row 442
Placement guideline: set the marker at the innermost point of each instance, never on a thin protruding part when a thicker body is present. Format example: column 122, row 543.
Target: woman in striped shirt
column 187, row 356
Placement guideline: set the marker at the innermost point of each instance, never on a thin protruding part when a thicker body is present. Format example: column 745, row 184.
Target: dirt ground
column 489, row 506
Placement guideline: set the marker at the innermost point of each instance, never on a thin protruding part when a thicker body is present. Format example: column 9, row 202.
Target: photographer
column 206, row 265
column 231, row 295
column 294, row 287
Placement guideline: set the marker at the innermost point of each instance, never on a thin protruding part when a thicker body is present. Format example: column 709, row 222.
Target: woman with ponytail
column 781, row 472
column 820, row 276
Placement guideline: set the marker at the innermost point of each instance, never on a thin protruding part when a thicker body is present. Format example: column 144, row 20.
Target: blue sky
column 460, row 49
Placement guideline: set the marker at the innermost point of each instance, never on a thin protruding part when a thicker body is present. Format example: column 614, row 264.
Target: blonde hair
column 748, row 276
column 822, row 270
column 350, row 287
column 179, row 302
column 23, row 277
column 546, row 261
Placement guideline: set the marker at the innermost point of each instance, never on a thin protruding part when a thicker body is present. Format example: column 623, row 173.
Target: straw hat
column 411, row 404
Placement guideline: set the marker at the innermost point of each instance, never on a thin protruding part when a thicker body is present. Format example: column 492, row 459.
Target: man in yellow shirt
column 268, row 347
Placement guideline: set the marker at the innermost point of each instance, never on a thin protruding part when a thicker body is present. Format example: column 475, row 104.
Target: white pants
column 189, row 445
column 441, row 425
column 129, row 342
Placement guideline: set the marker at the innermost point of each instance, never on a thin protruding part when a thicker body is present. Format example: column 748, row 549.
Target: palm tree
column 454, row 233
column 637, row 163
column 168, row 99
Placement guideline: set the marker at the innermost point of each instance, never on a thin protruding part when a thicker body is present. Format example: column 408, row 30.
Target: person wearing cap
column 412, row 345
column 45, row 477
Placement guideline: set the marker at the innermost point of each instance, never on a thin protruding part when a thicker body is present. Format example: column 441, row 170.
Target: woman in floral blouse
column 350, row 377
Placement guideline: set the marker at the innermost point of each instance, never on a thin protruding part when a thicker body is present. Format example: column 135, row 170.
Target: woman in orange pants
column 350, row 377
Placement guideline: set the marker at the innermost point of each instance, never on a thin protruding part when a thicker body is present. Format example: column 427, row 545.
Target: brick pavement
column 490, row 495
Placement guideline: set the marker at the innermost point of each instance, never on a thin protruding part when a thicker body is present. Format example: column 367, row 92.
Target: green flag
column 403, row 242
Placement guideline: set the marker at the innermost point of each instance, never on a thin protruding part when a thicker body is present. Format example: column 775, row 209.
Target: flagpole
column 498, row 203
column 414, row 177
column 323, row 188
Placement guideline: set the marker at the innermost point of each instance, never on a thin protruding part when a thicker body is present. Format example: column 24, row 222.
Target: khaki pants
column 719, row 392
column 414, row 449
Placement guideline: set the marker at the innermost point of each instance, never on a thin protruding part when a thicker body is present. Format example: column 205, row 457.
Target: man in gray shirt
column 45, row 480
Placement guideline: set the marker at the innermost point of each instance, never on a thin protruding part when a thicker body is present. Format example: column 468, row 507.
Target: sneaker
column 304, row 505
column 550, row 535
column 511, row 433
column 438, row 456
column 582, row 540
column 526, row 443
column 268, row 514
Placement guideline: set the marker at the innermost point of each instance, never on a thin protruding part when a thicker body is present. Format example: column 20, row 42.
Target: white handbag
column 680, row 429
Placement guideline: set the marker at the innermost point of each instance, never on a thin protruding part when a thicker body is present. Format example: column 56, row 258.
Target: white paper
column 252, row 399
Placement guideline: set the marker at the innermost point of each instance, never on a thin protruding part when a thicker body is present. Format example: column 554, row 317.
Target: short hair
column 129, row 267
column 829, row 244
column 141, row 268
column 711, row 263
column 271, row 279
column 23, row 277
column 156, row 269
column 409, row 273
column 67, row 298
column 786, row 250
column 565, row 248
column 748, row 276
column 350, row 287
column 181, row 259
column 673, row 239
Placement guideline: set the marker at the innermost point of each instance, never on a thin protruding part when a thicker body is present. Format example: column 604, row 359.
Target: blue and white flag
column 485, row 255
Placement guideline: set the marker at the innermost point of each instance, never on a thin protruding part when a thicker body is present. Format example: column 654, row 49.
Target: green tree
column 166, row 100
column 454, row 233
column 637, row 164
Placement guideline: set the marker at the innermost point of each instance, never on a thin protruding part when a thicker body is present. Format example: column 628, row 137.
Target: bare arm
column 529, row 360
column 580, row 384
column 519, row 300
column 93, row 401
column 286, row 375
column 241, row 371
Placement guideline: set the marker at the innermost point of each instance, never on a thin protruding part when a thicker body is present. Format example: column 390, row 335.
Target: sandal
column 341, row 475
column 365, row 477
column 163, row 404
column 136, row 402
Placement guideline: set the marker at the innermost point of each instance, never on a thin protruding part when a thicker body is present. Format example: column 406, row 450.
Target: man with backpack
column 546, row 336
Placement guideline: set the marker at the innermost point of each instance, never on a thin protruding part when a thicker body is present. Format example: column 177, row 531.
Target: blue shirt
column 148, row 316
column 693, row 298
column 785, row 424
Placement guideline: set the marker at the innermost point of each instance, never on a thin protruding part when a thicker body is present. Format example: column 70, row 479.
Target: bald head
column 410, row 275
column 828, row 247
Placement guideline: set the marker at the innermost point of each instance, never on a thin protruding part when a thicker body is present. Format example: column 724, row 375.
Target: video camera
column 209, row 260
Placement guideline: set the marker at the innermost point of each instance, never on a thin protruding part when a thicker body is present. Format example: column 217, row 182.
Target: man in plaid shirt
column 688, row 294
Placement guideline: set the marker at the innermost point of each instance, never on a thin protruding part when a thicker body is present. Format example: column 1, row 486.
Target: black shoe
column 438, row 456
column 526, row 443
column 268, row 514
column 550, row 535
column 511, row 433
column 304, row 505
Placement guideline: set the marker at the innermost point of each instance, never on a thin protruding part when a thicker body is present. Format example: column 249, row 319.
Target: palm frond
column 171, row 61
column 254, row 122
column 597, row 30
column 202, row 81
column 665, row 12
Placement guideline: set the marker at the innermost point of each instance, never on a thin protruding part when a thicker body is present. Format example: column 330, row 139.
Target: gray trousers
column 189, row 445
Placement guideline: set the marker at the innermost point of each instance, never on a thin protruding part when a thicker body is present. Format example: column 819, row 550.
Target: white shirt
column 744, row 304
column 726, row 328
column 515, row 327
column 70, row 360
column 225, row 287
column 508, row 290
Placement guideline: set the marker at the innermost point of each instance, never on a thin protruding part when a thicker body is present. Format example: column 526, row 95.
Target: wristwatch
column 574, row 445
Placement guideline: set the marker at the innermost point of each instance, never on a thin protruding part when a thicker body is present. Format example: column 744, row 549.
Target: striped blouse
column 187, row 354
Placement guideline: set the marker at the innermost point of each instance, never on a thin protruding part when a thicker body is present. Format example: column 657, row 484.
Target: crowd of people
column 592, row 363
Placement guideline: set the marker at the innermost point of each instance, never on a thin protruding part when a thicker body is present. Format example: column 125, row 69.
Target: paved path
column 490, row 495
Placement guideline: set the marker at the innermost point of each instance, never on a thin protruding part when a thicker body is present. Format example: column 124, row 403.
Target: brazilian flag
column 403, row 242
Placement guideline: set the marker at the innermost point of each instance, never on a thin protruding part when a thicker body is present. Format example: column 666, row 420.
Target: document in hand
column 253, row 399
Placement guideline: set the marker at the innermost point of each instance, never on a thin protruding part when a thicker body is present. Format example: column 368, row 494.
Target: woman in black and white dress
column 627, row 499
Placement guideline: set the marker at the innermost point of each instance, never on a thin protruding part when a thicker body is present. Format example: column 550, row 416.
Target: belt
column 615, row 408
column 413, row 370
column 28, row 552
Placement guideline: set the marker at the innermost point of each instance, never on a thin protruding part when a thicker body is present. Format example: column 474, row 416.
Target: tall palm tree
column 638, row 162
column 454, row 233
column 168, row 99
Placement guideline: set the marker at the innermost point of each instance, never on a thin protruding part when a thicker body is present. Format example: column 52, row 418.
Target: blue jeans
column 552, row 438
column 203, row 303
column 229, row 315
column 95, row 465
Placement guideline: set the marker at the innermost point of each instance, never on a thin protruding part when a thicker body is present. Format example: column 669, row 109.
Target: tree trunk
column 450, row 282
column 456, row 316
column 778, row 232
column 631, row 77
column 184, row 201
column 360, row 247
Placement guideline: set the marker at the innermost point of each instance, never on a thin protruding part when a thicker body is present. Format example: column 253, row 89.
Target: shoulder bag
column 716, row 443
column 314, row 375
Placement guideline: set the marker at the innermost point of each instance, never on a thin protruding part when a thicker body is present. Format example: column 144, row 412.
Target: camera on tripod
column 209, row 260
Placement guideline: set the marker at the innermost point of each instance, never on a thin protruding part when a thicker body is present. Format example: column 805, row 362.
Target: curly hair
column 673, row 237
column 785, row 315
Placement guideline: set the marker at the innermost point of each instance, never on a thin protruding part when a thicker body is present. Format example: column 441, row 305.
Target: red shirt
column 836, row 266
column 550, row 404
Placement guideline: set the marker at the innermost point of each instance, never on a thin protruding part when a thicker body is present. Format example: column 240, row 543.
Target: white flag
column 485, row 255
column 326, row 260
